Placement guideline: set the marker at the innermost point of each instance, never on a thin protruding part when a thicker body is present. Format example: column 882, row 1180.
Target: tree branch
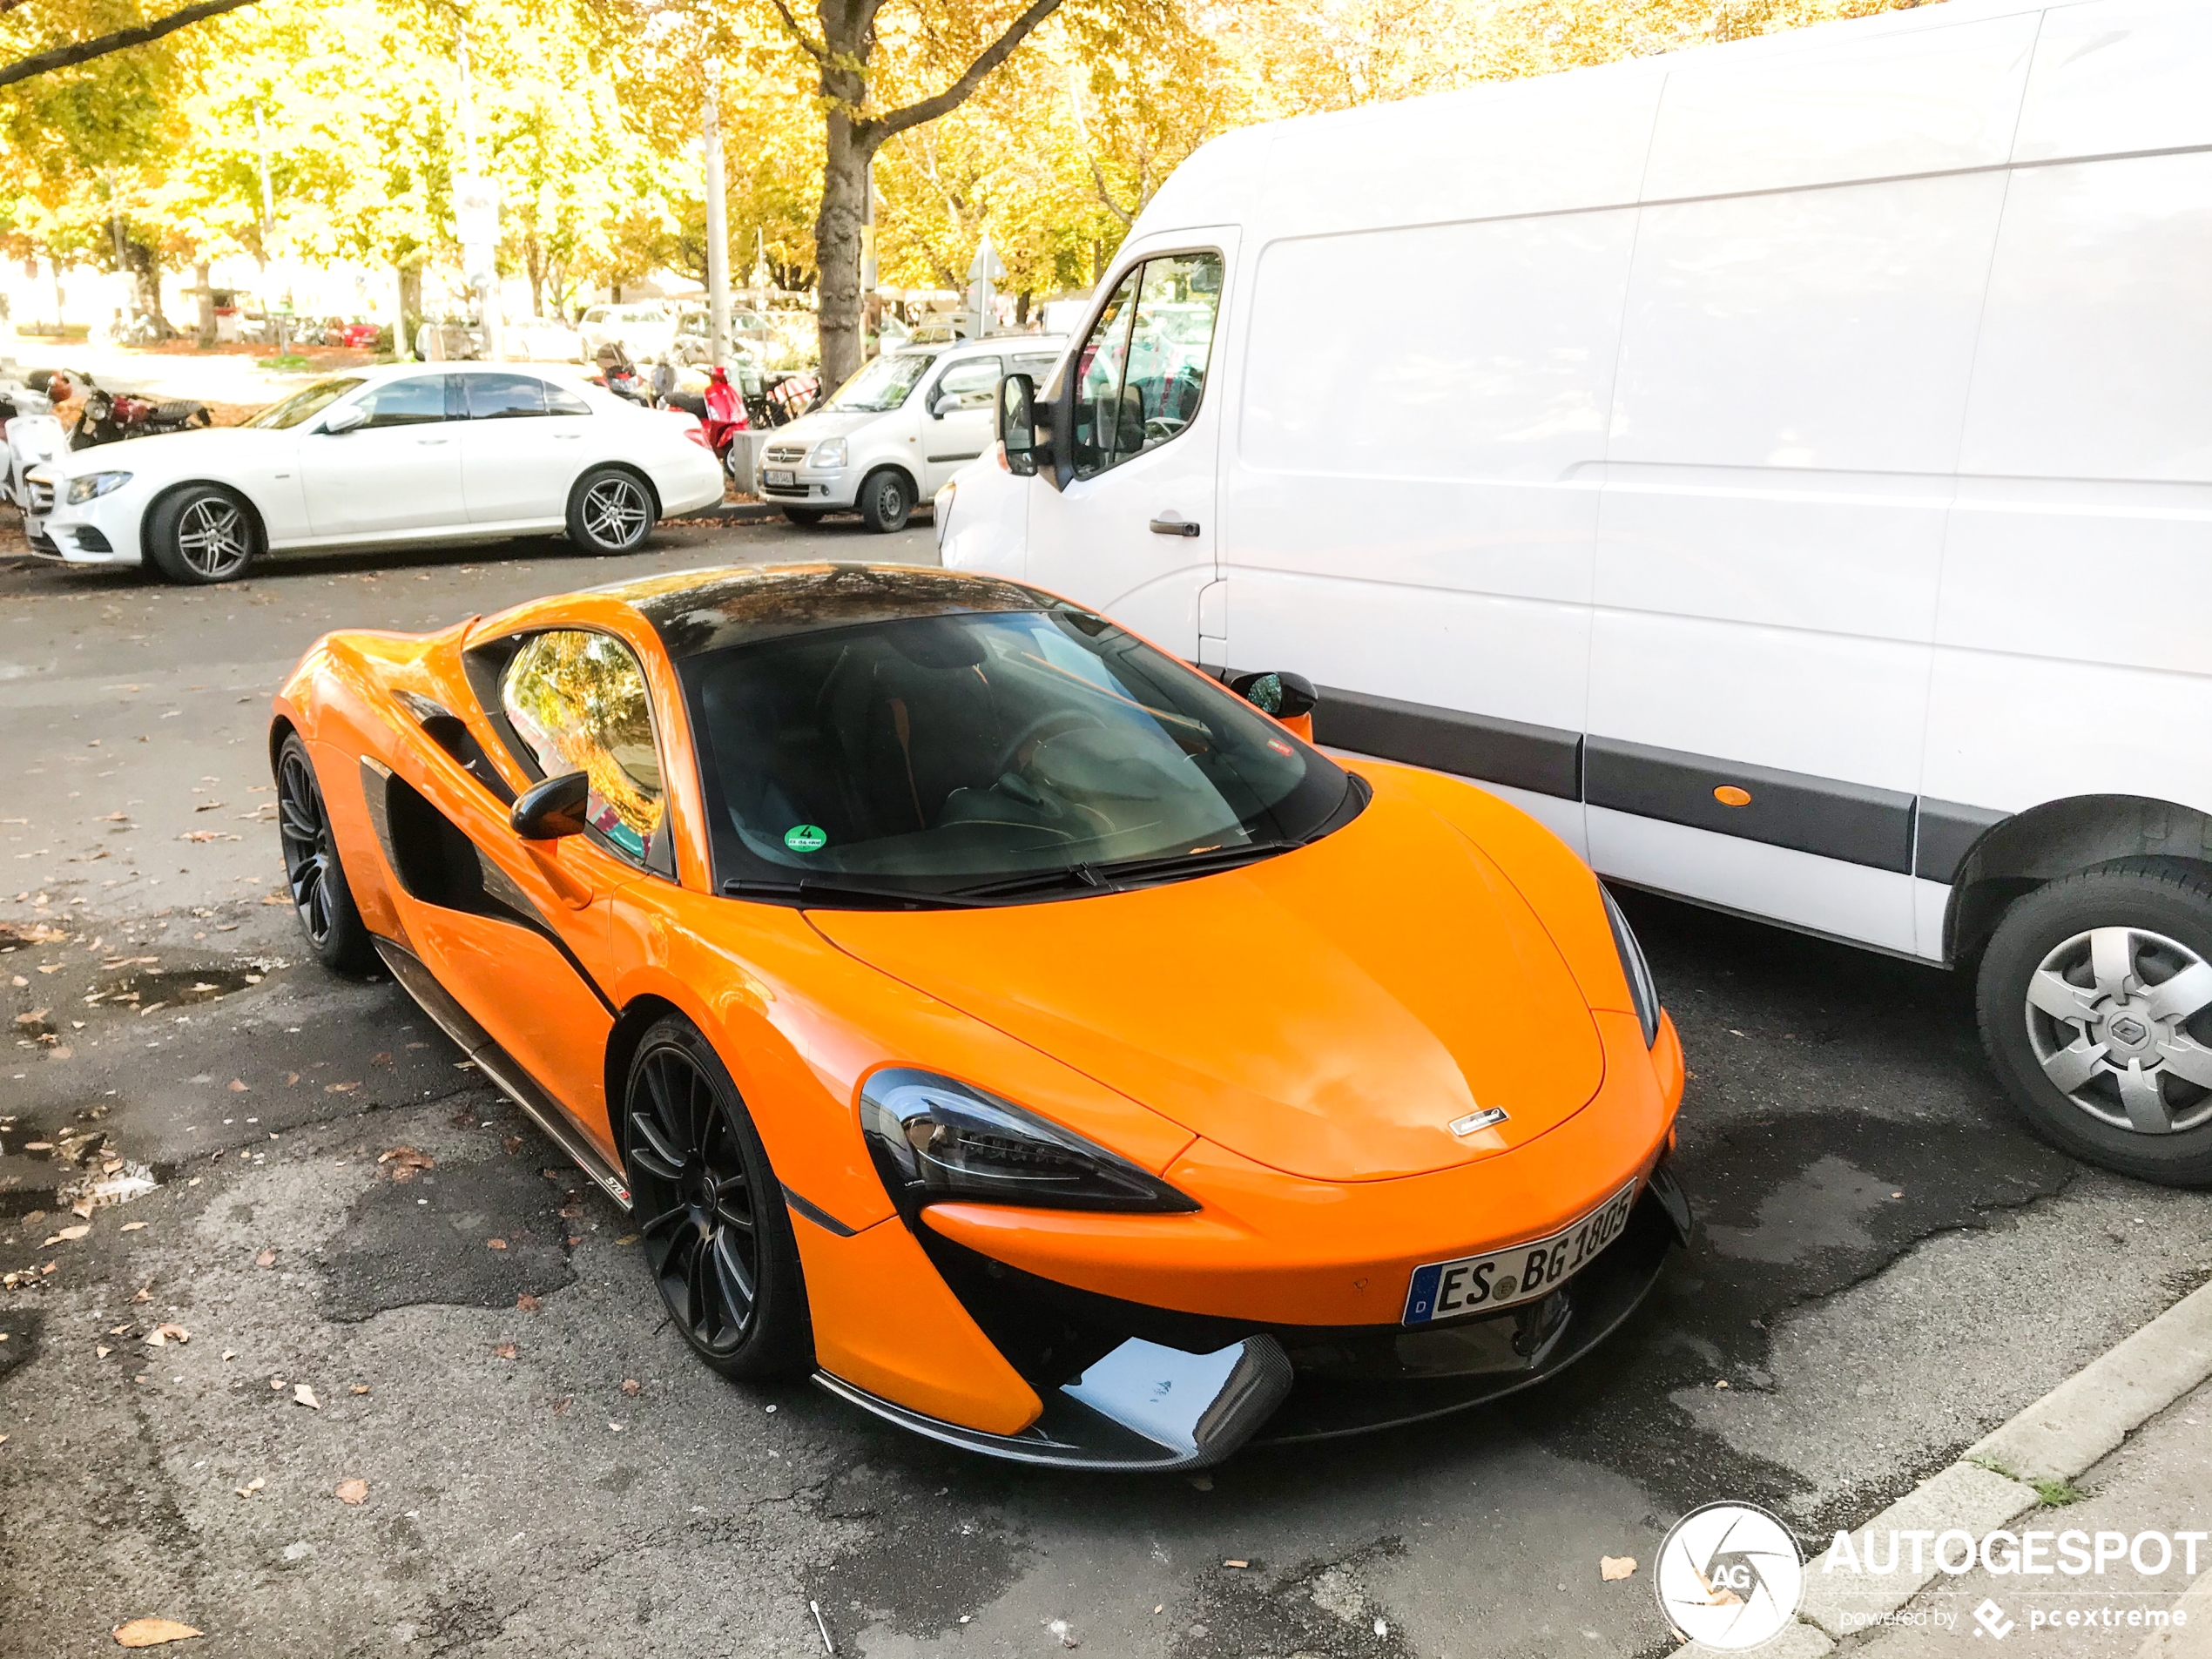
column 7, row 6
column 83, row 51
column 951, row 97
column 814, row 49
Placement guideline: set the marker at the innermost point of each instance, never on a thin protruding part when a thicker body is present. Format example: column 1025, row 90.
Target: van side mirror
column 1284, row 695
column 553, row 809
column 1018, row 424
column 345, row 419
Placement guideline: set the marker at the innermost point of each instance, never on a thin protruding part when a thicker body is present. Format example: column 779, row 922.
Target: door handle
column 1173, row 523
column 433, row 440
column 568, row 437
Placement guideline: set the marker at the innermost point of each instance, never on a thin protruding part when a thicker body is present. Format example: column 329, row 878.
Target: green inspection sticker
column 805, row 838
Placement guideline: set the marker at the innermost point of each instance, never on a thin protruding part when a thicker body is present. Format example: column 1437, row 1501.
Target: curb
column 2076, row 1425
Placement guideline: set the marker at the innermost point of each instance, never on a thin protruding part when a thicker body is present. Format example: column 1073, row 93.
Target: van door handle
column 433, row 440
column 1173, row 523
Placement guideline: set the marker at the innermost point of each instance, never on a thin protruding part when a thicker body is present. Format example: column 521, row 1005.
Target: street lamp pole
column 717, row 232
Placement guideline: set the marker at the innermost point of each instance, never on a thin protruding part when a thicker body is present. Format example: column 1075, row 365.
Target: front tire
column 610, row 511
column 887, row 501
column 710, row 1209
column 202, row 533
column 313, row 875
column 2095, row 1005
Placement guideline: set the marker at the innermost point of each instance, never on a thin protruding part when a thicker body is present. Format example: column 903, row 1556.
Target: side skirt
column 501, row 1067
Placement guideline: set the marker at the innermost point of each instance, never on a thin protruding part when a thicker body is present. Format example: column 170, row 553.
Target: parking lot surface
column 1886, row 1266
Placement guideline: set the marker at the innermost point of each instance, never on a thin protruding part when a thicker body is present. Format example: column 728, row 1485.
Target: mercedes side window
column 501, row 397
column 577, row 700
column 419, row 401
column 561, row 400
column 1142, row 375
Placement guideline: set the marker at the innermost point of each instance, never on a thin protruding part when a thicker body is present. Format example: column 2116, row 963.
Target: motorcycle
column 110, row 417
column 720, row 410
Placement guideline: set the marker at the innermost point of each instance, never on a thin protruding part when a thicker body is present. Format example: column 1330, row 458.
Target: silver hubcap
column 2110, row 1012
column 211, row 537
column 614, row 512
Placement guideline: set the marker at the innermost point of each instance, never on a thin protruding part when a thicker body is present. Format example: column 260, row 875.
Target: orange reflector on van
column 1730, row 795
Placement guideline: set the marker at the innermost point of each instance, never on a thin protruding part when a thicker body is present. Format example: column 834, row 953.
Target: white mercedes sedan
column 409, row 453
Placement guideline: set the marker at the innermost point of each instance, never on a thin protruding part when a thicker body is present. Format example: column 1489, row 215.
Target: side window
column 500, row 397
column 419, row 400
column 578, row 701
column 970, row 385
column 561, row 399
column 1142, row 373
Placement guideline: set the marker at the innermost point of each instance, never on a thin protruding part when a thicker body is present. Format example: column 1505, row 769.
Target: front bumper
column 102, row 531
column 1128, row 1388
column 811, row 487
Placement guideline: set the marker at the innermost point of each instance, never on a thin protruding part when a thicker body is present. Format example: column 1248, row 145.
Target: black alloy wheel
column 709, row 1209
column 313, row 875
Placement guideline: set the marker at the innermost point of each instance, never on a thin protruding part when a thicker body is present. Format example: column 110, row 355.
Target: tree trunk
column 411, row 305
column 837, row 247
column 205, row 296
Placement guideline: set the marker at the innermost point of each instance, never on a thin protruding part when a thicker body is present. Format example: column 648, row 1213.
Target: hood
column 220, row 440
column 823, row 423
column 1327, row 1012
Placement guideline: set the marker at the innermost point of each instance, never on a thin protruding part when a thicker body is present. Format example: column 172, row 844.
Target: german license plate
column 782, row 476
column 1507, row 1278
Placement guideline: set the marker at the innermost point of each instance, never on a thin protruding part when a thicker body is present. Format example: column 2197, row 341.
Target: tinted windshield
column 934, row 753
column 882, row 384
column 301, row 406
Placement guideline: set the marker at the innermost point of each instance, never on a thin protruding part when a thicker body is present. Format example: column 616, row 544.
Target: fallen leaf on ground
column 174, row 1332
column 266, row 1258
column 1236, row 1563
column 405, row 1161
column 340, row 1088
column 495, row 1243
column 1612, row 1567
column 361, row 1388
column 238, row 1085
column 151, row 1633
column 73, row 1233
column 303, row 1395
column 99, row 1352
column 353, row 1492
column 631, row 1387
column 252, row 1486
column 132, row 1227
column 527, row 1302
column 145, row 1293
column 502, row 1350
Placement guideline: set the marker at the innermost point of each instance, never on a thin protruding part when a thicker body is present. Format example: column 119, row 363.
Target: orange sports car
column 1029, row 1035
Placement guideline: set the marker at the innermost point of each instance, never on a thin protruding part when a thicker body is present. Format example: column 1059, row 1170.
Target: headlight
column 934, row 1139
column 1643, row 990
column 829, row 455
column 96, row 483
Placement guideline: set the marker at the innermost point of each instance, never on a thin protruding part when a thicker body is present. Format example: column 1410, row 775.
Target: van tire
column 2155, row 915
column 807, row 516
column 202, row 533
column 885, row 501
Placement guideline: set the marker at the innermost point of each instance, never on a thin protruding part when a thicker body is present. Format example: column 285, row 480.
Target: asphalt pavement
column 1886, row 1266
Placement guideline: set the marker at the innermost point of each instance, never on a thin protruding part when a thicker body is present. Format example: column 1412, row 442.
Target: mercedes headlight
column 935, row 1140
column 1643, row 990
column 828, row 455
column 94, row 483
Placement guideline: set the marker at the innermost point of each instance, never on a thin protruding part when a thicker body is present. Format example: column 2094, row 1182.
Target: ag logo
column 1730, row 1576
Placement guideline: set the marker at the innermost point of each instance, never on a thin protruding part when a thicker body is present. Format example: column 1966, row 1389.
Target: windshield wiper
column 807, row 891
column 1115, row 877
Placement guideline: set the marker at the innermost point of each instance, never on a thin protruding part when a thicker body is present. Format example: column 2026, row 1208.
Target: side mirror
column 939, row 401
column 1284, row 695
column 345, row 419
column 1017, row 403
column 553, row 809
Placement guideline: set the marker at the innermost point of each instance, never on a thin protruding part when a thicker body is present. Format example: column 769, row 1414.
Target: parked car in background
column 400, row 453
column 543, row 339
column 1804, row 508
column 749, row 333
column 646, row 329
column 896, row 430
column 450, row 340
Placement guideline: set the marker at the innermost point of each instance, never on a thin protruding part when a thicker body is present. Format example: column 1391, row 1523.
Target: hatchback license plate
column 1507, row 1278
column 780, row 476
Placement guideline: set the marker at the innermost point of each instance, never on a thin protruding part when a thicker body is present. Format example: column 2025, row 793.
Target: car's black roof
column 703, row 610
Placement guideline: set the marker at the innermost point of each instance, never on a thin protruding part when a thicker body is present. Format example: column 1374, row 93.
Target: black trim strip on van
column 1853, row 822
column 1948, row 831
column 1545, row 760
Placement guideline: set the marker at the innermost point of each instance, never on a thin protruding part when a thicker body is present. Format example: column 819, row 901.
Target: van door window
column 972, row 384
column 1142, row 372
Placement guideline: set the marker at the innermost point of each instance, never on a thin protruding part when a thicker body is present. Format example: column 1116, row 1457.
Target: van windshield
column 942, row 754
column 882, row 384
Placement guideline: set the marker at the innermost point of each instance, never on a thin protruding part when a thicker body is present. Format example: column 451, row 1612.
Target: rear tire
column 610, row 511
column 805, row 516
column 313, row 875
column 202, row 533
column 709, row 1212
column 2095, row 1005
column 885, row 501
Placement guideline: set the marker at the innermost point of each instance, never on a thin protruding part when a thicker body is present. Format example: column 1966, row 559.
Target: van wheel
column 886, row 502
column 610, row 511
column 802, row 515
column 202, row 533
column 2096, row 1004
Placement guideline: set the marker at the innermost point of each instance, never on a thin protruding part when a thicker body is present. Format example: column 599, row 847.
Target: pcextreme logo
column 1730, row 1576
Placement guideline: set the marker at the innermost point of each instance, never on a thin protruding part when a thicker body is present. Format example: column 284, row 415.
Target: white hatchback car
column 647, row 332
column 466, row 451
column 898, row 429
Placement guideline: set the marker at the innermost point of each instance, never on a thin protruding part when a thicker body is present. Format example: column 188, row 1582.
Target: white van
column 899, row 427
column 1784, row 469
